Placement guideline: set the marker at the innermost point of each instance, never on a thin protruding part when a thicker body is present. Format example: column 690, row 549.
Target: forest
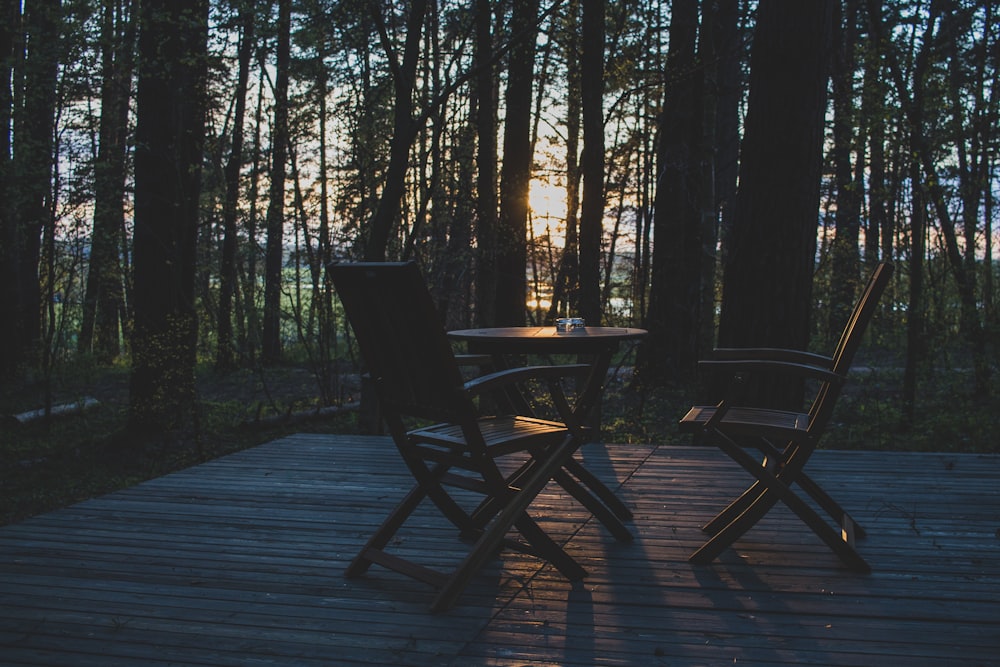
column 176, row 174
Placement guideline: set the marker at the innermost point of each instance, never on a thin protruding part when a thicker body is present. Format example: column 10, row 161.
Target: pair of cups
column 569, row 324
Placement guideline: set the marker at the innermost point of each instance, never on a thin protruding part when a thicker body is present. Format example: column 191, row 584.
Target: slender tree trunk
column 565, row 288
column 31, row 191
column 641, row 264
column 455, row 275
column 916, row 312
column 845, row 256
column 403, row 134
column 730, row 50
column 878, row 240
column 989, row 303
column 274, row 257
column 992, row 109
column 327, row 323
column 103, row 300
column 592, row 162
column 10, row 358
column 707, row 203
column 670, row 351
column 486, row 161
column 912, row 107
column 225, row 358
column 515, row 174
column 250, row 290
column 171, row 98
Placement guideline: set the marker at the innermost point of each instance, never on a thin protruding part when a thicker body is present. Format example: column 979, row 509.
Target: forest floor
column 47, row 463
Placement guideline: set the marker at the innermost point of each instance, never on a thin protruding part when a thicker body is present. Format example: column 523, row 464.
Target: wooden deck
column 239, row 562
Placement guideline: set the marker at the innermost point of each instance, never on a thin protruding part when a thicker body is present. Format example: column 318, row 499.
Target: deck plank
column 239, row 561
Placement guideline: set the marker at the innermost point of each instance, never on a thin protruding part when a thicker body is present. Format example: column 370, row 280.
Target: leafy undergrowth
column 46, row 464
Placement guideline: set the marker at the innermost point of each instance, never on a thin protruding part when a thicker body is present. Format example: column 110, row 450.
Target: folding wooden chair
column 785, row 438
column 417, row 377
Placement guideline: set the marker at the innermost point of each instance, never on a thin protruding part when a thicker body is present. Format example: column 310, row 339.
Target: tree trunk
column 671, row 351
column 703, row 336
column 916, row 311
column 274, row 255
column 250, row 291
column 31, row 174
column 403, row 132
column 846, row 261
column 565, row 288
column 225, row 358
column 327, row 338
column 592, row 162
column 878, row 238
column 515, row 174
column 767, row 295
column 456, row 285
column 103, row 300
column 170, row 127
column 10, row 357
column 730, row 49
column 486, row 160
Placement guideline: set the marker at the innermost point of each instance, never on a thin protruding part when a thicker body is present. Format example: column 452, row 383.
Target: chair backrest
column 850, row 341
column 404, row 345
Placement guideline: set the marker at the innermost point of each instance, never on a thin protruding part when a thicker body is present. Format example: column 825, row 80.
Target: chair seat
column 502, row 434
column 737, row 421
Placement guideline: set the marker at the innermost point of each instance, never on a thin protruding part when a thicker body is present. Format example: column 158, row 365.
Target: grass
column 47, row 464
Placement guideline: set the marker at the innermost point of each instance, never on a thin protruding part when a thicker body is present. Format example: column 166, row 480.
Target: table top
column 547, row 335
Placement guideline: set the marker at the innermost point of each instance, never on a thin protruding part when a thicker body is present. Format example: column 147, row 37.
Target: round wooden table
column 594, row 345
column 546, row 340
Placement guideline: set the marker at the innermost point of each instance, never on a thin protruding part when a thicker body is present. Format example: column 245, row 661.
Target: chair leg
column 430, row 478
column 746, row 499
column 735, row 529
column 775, row 488
column 589, row 492
column 806, row 483
column 734, row 509
column 832, row 507
column 377, row 542
column 514, row 508
column 840, row 544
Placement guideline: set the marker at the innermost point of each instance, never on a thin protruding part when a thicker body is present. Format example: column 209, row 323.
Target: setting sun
column 547, row 202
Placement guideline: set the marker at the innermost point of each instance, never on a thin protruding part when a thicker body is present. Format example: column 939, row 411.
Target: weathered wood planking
column 238, row 562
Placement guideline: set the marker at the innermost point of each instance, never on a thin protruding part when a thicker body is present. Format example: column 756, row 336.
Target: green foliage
column 949, row 418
